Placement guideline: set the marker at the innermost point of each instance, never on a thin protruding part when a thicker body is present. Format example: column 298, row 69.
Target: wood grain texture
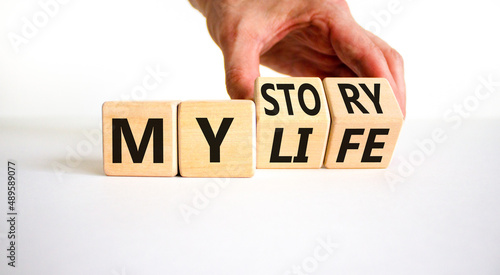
column 363, row 120
column 291, row 109
column 235, row 118
column 137, row 115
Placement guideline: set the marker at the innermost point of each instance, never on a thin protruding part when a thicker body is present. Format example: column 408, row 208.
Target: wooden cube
column 366, row 121
column 292, row 122
column 140, row 138
column 217, row 138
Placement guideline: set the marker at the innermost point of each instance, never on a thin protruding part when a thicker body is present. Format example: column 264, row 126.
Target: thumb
column 241, row 62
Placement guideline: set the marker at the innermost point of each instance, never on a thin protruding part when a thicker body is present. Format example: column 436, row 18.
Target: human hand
column 299, row 38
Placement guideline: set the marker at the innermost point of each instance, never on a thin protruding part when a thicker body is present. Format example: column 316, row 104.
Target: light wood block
column 366, row 121
column 292, row 122
column 217, row 138
column 140, row 138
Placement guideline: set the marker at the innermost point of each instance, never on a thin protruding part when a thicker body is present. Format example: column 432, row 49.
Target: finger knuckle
column 396, row 57
column 370, row 51
column 236, row 78
column 234, row 75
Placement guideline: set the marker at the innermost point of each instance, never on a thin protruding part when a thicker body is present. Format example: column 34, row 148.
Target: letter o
column 43, row 16
column 420, row 155
column 84, row 148
column 317, row 102
column 309, row 264
column 471, row 103
column 139, row 93
column 482, row 96
column 211, row 190
column 373, row 27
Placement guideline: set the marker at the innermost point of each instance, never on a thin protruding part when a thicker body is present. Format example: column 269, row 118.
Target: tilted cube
column 366, row 121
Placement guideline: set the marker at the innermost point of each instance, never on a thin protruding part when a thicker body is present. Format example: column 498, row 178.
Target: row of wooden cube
column 294, row 123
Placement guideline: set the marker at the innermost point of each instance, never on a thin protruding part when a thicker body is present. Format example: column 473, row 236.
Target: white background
column 441, row 215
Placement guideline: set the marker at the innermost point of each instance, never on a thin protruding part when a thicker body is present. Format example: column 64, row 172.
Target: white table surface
column 443, row 217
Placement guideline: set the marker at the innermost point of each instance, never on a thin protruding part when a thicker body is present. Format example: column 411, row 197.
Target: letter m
column 121, row 125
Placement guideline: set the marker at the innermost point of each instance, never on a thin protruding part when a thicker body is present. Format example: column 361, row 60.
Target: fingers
column 396, row 66
column 356, row 49
column 363, row 55
column 241, row 62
